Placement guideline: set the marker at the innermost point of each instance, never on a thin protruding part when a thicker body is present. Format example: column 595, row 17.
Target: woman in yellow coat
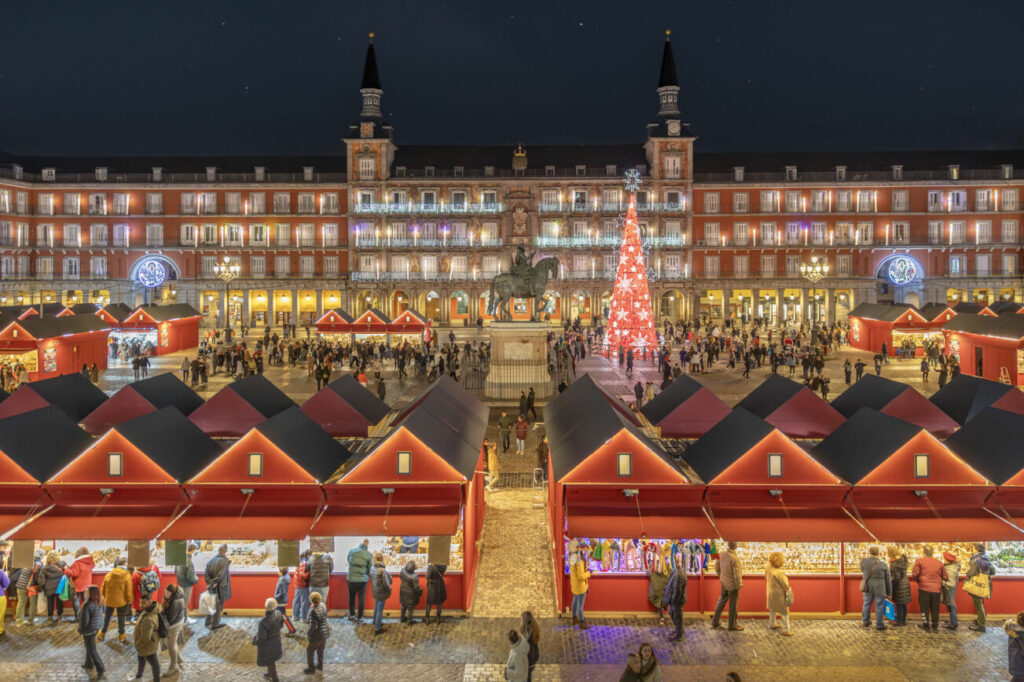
column 779, row 594
column 492, row 466
column 579, row 580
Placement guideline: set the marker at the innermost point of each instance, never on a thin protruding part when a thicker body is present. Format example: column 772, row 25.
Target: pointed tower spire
column 668, row 84
column 370, row 89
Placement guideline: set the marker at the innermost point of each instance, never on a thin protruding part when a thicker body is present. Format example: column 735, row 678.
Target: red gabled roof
column 408, row 321
column 1012, row 401
column 647, row 467
column 380, row 466
column 911, row 318
column 911, row 406
column 335, row 415
column 372, row 320
column 123, row 406
column 695, row 416
column 226, row 414
column 945, row 468
column 805, row 415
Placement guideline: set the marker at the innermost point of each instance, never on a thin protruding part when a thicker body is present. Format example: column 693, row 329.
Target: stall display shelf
column 1007, row 557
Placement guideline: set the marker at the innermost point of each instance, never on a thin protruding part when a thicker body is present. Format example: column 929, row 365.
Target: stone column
column 295, row 306
column 803, row 304
column 245, row 307
column 222, row 308
column 319, row 303
column 726, row 303
column 756, row 293
column 830, row 306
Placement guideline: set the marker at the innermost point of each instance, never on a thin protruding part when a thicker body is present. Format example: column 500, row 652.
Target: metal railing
column 602, row 207
column 176, row 178
column 421, row 276
column 417, row 208
column 586, row 242
column 362, row 242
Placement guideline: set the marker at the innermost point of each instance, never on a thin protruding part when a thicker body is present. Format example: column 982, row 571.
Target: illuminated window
column 774, row 465
column 625, row 461
column 255, row 463
column 404, row 463
column 115, row 461
column 921, row 466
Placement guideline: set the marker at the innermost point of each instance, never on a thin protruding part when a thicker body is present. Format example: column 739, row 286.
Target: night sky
column 260, row 77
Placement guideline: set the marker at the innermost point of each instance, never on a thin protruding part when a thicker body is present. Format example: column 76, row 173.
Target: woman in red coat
column 80, row 572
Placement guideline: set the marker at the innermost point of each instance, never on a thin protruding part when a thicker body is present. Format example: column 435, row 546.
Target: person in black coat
column 410, row 592
column 218, row 582
column 531, row 398
column 268, row 640
column 437, row 592
column 317, row 633
column 523, row 403
column 90, row 620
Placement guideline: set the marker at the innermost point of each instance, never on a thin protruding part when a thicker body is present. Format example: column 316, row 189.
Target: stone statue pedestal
column 519, row 360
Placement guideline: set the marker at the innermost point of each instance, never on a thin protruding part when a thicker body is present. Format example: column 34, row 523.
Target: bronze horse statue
column 506, row 286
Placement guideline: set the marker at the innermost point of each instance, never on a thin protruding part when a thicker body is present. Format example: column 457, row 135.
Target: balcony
column 422, row 276
column 362, row 242
column 580, row 207
column 602, row 241
column 411, row 208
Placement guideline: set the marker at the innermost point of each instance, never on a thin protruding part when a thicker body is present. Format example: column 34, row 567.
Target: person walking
column 779, row 594
column 529, row 628
column 410, row 592
column 117, row 596
column 360, row 561
column 437, row 591
column 899, row 570
column 674, row 597
column 321, row 566
column 381, row 590
column 1014, row 629
column 531, row 399
column 979, row 566
column 90, row 620
column 847, row 370
column 730, row 574
column 145, row 581
column 929, row 573
column 284, row 581
column 187, row 578
column 300, row 600
column 505, row 430
column 579, row 581
column 876, row 584
column 517, row 668
column 522, row 403
column 521, row 431
column 493, row 466
column 317, row 633
column 952, row 566
column 218, row 583
column 147, row 637
column 174, row 611
column 269, row 649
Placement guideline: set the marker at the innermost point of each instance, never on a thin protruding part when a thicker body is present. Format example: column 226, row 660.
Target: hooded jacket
column 409, row 593
column 268, row 638
column 49, row 577
column 117, row 588
column 380, row 582
column 80, row 571
column 437, row 592
column 147, row 632
column 517, row 669
column 320, row 568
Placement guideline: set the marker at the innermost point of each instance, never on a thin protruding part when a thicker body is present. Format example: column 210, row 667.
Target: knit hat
column 949, row 556
column 271, row 604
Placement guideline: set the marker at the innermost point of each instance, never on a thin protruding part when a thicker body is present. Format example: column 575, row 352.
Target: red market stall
column 989, row 346
column 163, row 328
column 371, row 323
column 79, row 309
column 345, row 407
column 966, row 395
column 767, row 493
column 793, row 408
column 51, row 346
column 240, row 406
column 142, row 397
column 895, row 399
column 75, row 395
column 114, row 313
column 911, row 489
column 335, row 321
column 685, row 409
column 409, row 323
column 872, row 324
column 611, row 484
column 417, row 493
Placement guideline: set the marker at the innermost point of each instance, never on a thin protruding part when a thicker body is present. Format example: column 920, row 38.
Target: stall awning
column 781, row 529
column 393, row 524
column 191, row 527
column 587, row 526
column 88, row 527
column 945, row 529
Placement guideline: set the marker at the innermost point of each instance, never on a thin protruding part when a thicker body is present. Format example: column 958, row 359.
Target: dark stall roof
column 580, row 420
column 1005, row 306
column 452, row 423
column 726, row 442
column 167, row 390
column 770, row 395
column 43, row 441
column 359, row 397
column 869, row 391
column 863, row 442
column 52, row 327
column 174, row 443
column 1005, row 326
column 675, row 394
column 118, row 311
column 84, row 308
column 879, row 311
column 930, row 311
column 72, row 393
column 264, row 396
column 966, row 395
column 304, row 441
column 968, row 307
column 990, row 443
column 175, row 311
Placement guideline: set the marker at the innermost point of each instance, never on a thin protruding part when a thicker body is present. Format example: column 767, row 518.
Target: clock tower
column 669, row 143
column 369, row 143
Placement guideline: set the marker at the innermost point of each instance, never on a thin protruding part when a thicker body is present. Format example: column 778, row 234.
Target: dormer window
column 49, row 174
column 261, row 173
column 737, row 173
column 897, row 172
column 840, row 173
column 489, row 171
column 404, row 463
column 255, row 463
column 790, row 173
column 428, row 171
column 101, row 174
column 954, row 172
column 624, row 461
column 549, row 171
column 611, row 169
column 460, row 171
column 115, row 464
column 581, row 169
column 921, row 466
column 774, row 465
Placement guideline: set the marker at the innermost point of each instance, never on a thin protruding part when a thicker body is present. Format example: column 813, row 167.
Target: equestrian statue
column 522, row 281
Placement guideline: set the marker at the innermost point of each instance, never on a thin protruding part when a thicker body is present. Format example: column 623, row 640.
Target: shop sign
column 1020, row 360
column 164, row 336
column 322, row 544
column 50, row 359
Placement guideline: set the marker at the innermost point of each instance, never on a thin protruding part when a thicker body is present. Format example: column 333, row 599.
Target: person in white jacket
column 518, row 667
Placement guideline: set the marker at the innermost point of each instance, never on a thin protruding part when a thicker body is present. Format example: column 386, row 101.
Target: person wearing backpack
column 173, row 608
column 90, row 620
column 49, row 579
column 979, row 565
column 28, row 591
column 147, row 636
column 380, row 580
column 145, row 583
column 187, row 578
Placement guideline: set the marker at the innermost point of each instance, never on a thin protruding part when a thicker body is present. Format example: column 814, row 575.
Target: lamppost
column 227, row 272
column 814, row 272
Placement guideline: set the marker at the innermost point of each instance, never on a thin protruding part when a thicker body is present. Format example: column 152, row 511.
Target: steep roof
column 930, row 311
column 726, row 442
column 51, row 327
column 990, row 443
column 118, row 311
column 966, row 395
column 675, row 394
column 869, row 391
column 770, row 395
column 668, row 66
column 263, row 395
column 863, row 442
column 42, row 441
column 174, row 311
column 174, row 443
column 1005, row 326
column 879, row 311
column 72, row 393
column 371, row 79
column 167, row 390
column 359, row 397
column 304, row 441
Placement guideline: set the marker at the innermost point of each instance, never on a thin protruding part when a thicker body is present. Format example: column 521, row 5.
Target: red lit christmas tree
column 630, row 321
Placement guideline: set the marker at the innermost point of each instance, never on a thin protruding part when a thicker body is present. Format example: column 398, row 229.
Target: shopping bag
column 888, row 610
column 978, row 586
column 288, row 625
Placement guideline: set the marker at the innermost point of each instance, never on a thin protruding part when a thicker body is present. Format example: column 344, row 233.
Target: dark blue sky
column 220, row 77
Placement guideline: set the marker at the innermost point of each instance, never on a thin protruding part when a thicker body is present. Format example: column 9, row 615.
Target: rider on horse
column 522, row 268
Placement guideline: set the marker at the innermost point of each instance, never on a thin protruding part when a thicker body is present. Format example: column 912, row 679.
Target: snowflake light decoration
column 901, row 270
column 151, row 274
column 633, row 180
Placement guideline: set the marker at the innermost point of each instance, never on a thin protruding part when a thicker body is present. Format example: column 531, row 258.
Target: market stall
column 142, row 397
column 51, row 346
column 372, row 325
column 161, row 329
column 114, row 314
column 872, row 324
column 612, row 487
column 335, row 325
column 910, row 489
column 410, row 326
column 75, row 395
column 345, row 407
column 793, row 408
column 966, row 395
column 989, row 346
column 79, row 309
column 895, row 399
column 685, row 409
column 240, row 406
column 416, row 495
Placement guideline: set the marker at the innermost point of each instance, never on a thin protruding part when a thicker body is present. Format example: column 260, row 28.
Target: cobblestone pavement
column 475, row 649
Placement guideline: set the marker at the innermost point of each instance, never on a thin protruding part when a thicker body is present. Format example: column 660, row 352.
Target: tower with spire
column 668, row 84
column 669, row 143
column 370, row 88
column 369, row 146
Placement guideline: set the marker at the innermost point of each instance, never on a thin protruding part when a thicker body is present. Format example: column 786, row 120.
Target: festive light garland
column 630, row 320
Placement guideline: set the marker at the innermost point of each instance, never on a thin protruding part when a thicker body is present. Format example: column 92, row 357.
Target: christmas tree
column 631, row 322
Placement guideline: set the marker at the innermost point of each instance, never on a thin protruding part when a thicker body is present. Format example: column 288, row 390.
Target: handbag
column 864, row 580
column 288, row 625
column 889, row 609
column 33, row 589
column 978, row 586
column 789, row 596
